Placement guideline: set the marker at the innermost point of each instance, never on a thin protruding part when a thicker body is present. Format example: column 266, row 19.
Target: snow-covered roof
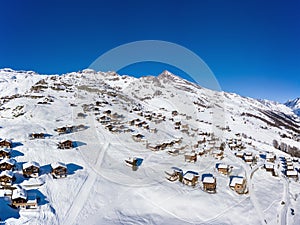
column 19, row 192
column 291, row 173
column 248, row 157
column 29, row 164
column 58, row 164
column 209, row 180
column 7, row 150
column 8, row 161
column 236, row 180
column 270, row 156
column 190, row 175
column 7, row 173
column 222, row 166
column 269, row 166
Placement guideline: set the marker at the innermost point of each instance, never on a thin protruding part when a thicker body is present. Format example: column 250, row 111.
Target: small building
column 6, row 178
column 37, row 136
column 138, row 137
column 134, row 162
column 238, row 184
column 64, row 130
column 175, row 175
column 31, row 169
column 190, row 157
column 270, row 157
column 218, row 154
column 200, row 151
column 4, row 153
column 19, row 197
column 209, row 184
column 7, row 164
column 240, row 154
column 290, row 168
column 65, row 145
column 5, row 144
column 59, row 170
column 190, row 178
column 292, row 174
column 222, row 168
column 248, row 158
column 270, row 167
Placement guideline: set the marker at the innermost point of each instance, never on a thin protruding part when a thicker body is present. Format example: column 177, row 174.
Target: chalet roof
column 269, row 166
column 5, row 140
column 248, row 157
column 7, row 150
column 58, row 164
column 8, row 161
column 19, row 192
column 29, row 164
column 270, row 156
column 222, row 166
column 291, row 173
column 176, row 169
column 7, row 173
column 209, row 180
column 236, row 180
column 190, row 153
column 240, row 153
column 190, row 175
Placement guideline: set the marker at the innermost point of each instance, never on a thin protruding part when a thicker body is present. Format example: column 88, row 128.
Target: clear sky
column 252, row 47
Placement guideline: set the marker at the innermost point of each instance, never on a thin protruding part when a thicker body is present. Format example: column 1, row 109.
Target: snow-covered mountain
column 294, row 105
column 164, row 122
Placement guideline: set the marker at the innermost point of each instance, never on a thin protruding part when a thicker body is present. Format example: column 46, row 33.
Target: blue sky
column 252, row 47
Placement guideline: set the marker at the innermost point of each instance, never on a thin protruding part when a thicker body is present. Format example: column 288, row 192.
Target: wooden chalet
column 31, row 169
column 270, row 167
column 238, row 184
column 20, row 199
column 174, row 113
column 5, row 144
column 59, row 170
column 4, row 153
column 37, row 136
column 7, row 164
column 190, row 157
column 218, row 154
column 222, row 168
column 270, row 157
column 240, row 155
column 6, row 178
column 65, row 145
column 209, row 184
column 248, row 157
column 200, row 151
column 175, row 174
column 190, row 178
column 134, row 162
column 292, row 174
column 64, row 130
column 138, row 137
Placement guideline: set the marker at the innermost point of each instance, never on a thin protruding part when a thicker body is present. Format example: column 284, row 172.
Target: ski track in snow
column 84, row 191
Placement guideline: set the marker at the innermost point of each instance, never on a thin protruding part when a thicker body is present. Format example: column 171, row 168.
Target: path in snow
column 85, row 189
column 284, row 210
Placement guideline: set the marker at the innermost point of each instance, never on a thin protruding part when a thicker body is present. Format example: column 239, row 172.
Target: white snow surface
column 102, row 189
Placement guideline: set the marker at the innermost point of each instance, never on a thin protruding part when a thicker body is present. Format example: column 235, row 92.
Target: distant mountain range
column 294, row 105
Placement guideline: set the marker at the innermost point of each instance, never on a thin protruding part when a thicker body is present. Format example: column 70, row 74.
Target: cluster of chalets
column 208, row 181
column 17, row 193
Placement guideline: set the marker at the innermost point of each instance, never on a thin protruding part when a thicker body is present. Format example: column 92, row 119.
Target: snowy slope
column 102, row 189
column 294, row 105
